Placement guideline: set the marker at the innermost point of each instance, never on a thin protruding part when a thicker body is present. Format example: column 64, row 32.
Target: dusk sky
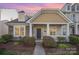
column 30, row 8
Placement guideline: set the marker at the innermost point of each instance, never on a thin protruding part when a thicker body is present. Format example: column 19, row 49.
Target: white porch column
column 76, row 29
column 30, row 30
column 68, row 33
column 48, row 33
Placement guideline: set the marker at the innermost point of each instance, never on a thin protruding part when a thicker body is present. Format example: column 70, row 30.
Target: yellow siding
column 52, row 17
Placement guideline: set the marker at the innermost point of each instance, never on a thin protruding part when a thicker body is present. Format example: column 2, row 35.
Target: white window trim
column 19, row 31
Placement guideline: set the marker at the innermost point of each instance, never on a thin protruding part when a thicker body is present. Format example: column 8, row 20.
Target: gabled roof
column 16, row 20
column 49, row 11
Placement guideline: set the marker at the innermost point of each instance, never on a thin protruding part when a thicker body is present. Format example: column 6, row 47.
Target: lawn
column 15, row 49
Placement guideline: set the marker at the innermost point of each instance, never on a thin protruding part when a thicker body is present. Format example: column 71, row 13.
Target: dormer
column 75, row 7
column 67, row 7
column 21, row 16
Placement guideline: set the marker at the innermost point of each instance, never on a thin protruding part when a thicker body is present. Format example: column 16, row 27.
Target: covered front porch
column 53, row 30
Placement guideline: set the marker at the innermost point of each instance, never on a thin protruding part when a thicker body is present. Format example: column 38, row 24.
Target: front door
column 39, row 33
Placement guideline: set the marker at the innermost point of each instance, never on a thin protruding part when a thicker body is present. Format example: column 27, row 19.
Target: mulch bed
column 60, row 51
column 19, row 49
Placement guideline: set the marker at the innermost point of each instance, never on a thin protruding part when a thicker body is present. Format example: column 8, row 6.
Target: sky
column 29, row 8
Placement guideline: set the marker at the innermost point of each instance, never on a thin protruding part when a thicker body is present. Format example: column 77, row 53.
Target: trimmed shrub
column 5, row 38
column 61, row 39
column 74, row 39
column 28, row 41
column 49, row 42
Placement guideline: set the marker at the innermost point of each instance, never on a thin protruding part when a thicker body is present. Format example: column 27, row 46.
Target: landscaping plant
column 49, row 42
column 61, row 39
column 74, row 39
column 28, row 41
column 5, row 38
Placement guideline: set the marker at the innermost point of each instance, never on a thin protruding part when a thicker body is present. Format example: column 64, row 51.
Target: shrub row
column 74, row 39
column 6, row 38
column 26, row 41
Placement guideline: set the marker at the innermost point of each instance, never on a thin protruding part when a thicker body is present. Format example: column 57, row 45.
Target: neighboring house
column 72, row 12
column 3, row 27
column 0, row 15
column 46, row 22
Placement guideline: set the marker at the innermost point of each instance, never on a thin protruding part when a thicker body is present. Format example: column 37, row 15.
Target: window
column 64, row 29
column 77, row 7
column 16, row 30
column 73, row 8
column 53, row 30
column 19, row 31
column 68, row 7
column 73, row 16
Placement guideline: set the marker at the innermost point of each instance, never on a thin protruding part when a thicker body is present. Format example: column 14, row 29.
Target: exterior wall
column 21, row 17
column 10, row 30
column 77, row 17
column 68, row 15
column 3, row 28
column 0, row 15
column 27, row 30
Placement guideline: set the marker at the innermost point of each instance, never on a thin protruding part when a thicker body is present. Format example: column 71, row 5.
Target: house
column 46, row 22
column 72, row 12
column 3, row 27
column 3, row 19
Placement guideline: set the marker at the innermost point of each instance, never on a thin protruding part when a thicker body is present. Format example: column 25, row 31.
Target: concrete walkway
column 39, row 50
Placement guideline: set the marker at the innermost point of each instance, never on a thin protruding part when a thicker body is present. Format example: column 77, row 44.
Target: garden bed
column 16, row 49
column 61, row 50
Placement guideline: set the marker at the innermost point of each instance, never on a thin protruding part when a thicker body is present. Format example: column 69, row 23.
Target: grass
column 64, row 45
